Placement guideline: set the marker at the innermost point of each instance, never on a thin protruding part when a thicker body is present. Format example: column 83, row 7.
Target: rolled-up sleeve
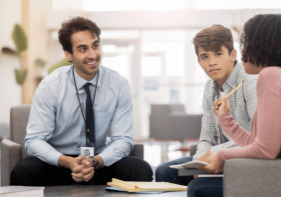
column 121, row 128
column 41, row 124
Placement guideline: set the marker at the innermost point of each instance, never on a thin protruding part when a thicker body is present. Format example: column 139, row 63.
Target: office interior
column 146, row 41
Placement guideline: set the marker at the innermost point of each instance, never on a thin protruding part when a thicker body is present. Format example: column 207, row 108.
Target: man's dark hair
column 72, row 26
column 213, row 38
column 260, row 40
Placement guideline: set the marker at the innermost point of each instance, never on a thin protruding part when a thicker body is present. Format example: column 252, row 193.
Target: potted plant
column 20, row 40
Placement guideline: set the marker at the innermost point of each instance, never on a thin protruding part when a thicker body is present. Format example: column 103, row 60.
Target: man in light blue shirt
column 62, row 121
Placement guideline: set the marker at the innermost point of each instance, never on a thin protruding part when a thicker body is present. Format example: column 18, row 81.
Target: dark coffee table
column 97, row 191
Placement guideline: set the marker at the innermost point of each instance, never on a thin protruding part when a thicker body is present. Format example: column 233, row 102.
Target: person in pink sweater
column 261, row 54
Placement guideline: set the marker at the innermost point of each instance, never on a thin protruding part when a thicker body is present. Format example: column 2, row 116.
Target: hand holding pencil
column 232, row 92
column 222, row 106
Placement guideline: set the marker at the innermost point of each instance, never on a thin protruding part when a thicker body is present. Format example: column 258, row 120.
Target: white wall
column 10, row 92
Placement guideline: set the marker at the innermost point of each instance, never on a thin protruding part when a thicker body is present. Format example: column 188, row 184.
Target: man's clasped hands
column 81, row 166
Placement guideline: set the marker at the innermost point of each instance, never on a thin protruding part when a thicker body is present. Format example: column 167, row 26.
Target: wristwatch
column 96, row 164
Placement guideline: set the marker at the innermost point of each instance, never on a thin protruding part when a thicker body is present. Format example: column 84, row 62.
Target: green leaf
column 20, row 75
column 19, row 38
column 40, row 63
column 63, row 62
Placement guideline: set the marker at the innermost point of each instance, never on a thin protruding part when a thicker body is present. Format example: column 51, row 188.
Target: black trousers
column 32, row 171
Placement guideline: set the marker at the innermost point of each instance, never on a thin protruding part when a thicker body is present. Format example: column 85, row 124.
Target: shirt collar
column 80, row 82
column 232, row 79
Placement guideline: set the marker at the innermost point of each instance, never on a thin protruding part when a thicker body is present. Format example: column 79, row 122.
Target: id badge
column 87, row 151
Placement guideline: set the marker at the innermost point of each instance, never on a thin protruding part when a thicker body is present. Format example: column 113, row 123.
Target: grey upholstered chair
column 4, row 131
column 250, row 177
column 12, row 150
column 171, row 122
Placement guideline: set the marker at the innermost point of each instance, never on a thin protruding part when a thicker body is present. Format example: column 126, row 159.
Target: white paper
column 142, row 192
column 187, row 165
column 209, row 175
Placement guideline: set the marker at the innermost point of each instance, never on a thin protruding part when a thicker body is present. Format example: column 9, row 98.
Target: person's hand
column 82, row 173
column 87, row 162
column 205, row 157
column 216, row 107
column 85, row 171
column 215, row 166
column 73, row 164
column 68, row 162
column 224, row 107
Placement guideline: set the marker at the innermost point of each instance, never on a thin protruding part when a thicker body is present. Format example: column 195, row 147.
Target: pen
column 232, row 92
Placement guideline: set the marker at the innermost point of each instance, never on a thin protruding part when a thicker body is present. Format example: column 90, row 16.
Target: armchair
column 171, row 122
column 251, row 177
column 13, row 151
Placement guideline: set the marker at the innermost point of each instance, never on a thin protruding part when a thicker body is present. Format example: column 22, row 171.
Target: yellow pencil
column 232, row 92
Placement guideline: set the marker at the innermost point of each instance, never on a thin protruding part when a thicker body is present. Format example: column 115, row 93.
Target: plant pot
column 20, row 75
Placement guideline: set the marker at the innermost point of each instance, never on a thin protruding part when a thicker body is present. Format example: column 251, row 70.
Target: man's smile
column 92, row 63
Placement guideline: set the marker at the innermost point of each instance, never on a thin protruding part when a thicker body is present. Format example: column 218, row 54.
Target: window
column 151, row 66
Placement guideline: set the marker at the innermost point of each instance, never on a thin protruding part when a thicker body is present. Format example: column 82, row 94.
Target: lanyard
column 87, row 125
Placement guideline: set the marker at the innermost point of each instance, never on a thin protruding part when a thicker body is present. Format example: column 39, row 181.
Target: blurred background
column 146, row 41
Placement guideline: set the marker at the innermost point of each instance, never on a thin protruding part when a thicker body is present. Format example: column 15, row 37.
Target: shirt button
column 78, row 149
column 82, row 133
column 108, row 163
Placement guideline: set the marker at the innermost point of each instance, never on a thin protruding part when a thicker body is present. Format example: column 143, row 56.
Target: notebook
column 189, row 168
column 189, row 165
column 210, row 175
column 21, row 191
column 131, row 186
column 121, row 190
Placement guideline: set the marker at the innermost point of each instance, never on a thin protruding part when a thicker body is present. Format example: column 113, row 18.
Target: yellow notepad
column 131, row 186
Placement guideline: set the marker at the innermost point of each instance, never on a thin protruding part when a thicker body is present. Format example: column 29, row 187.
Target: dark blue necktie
column 90, row 118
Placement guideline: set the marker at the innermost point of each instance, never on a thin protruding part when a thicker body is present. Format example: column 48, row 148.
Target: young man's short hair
column 213, row 38
column 72, row 26
column 261, row 40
